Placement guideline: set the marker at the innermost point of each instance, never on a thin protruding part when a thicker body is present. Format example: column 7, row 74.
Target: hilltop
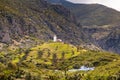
column 23, row 25
column 27, row 51
column 51, row 60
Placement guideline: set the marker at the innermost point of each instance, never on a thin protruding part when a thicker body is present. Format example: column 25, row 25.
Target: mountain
column 99, row 23
column 107, row 37
column 27, row 51
column 112, row 41
column 91, row 14
column 19, row 20
column 24, row 25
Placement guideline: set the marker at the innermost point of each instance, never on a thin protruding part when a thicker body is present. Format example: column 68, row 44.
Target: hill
column 100, row 23
column 54, row 60
column 27, row 52
column 91, row 14
column 40, row 21
column 23, row 25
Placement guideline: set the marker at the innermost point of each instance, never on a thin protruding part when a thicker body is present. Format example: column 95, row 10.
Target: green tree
column 54, row 59
column 63, row 55
column 40, row 53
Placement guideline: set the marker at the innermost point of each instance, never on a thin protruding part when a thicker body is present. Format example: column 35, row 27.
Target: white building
column 55, row 38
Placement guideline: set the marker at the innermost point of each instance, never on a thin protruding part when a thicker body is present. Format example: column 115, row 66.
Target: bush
column 12, row 65
column 74, row 77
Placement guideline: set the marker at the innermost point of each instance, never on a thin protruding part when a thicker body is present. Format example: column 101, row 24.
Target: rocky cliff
column 38, row 19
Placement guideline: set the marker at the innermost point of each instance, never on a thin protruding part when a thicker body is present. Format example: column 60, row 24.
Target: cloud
column 110, row 3
column 87, row 1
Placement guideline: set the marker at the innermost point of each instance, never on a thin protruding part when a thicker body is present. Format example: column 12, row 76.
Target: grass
column 57, row 48
column 37, row 62
column 93, row 58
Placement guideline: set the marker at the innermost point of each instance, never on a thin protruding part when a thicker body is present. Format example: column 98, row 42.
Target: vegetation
column 91, row 14
column 32, row 59
column 39, row 21
column 98, row 26
column 52, row 61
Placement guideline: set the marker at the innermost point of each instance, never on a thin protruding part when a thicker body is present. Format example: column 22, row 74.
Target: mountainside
column 24, row 25
column 28, row 52
column 112, row 41
column 107, row 37
column 19, row 19
column 99, row 23
column 91, row 14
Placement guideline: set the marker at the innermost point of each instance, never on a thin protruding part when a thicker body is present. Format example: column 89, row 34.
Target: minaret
column 55, row 38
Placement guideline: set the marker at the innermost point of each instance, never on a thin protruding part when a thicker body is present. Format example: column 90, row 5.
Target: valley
column 58, row 40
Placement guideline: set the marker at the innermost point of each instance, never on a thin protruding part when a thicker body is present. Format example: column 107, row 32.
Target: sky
column 110, row 3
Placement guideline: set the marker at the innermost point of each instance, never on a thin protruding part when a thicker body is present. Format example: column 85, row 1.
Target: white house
column 56, row 40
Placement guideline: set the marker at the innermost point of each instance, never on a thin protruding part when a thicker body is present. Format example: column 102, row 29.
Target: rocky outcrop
column 107, row 37
column 111, row 42
column 41, row 20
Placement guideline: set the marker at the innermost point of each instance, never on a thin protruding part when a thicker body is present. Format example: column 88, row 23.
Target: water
column 82, row 68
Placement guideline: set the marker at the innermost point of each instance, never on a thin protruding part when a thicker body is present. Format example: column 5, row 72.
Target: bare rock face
column 6, row 38
column 107, row 37
column 112, row 41
column 100, row 28
column 41, row 21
